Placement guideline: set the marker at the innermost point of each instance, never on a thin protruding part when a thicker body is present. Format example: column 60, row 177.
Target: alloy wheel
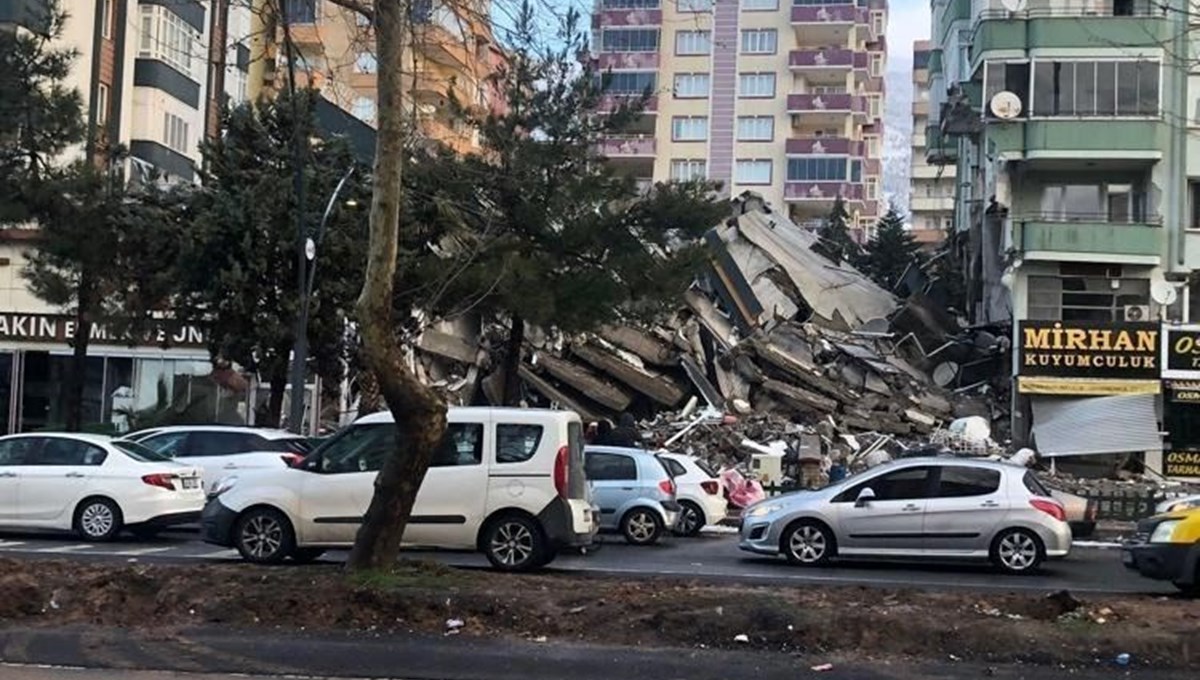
column 262, row 536
column 96, row 520
column 1017, row 551
column 642, row 526
column 512, row 544
column 689, row 520
column 808, row 544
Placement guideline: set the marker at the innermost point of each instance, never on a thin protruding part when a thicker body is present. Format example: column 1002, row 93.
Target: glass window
column 364, row 109
column 691, row 85
column 630, row 4
column 462, row 445
column 757, row 171
column 674, row 467
column 60, row 451
column 1148, row 73
column 16, row 451
column 175, row 133
column 366, row 63
column 756, row 85
column 300, row 11
column 1106, row 88
column 688, row 170
column 689, row 128
column 629, row 40
column 755, row 128
column 759, row 41
column 223, row 443
column 876, row 65
column 900, row 485
column 694, row 5
column 141, row 454
column 693, row 42
column 760, row 5
column 1034, row 485
column 101, row 104
column 628, row 82
column 171, row 444
column 358, row 448
column 960, row 481
column 817, row 169
column 1085, row 88
column 517, row 443
column 606, row 467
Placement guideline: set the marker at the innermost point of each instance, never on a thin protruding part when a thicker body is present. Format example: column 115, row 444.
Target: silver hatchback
column 634, row 490
column 940, row 508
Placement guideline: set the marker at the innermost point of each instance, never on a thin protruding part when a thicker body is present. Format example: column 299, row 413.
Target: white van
column 508, row 482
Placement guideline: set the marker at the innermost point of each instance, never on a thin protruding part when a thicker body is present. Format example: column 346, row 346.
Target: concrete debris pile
column 775, row 333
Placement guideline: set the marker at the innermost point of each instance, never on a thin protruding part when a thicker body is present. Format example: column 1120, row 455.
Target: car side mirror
column 864, row 497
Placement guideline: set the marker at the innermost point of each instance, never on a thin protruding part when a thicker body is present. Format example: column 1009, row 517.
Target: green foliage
column 237, row 266
column 891, row 251
column 836, row 242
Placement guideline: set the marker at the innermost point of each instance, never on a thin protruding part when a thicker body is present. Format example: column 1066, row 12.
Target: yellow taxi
column 1167, row 548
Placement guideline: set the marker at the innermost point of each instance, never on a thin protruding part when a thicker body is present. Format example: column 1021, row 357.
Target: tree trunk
column 274, row 413
column 512, row 362
column 369, row 400
column 419, row 413
column 77, row 378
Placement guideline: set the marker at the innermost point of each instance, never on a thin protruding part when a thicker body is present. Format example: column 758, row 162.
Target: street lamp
column 300, row 348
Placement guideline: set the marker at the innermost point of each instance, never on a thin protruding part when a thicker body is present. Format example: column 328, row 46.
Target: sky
column 908, row 20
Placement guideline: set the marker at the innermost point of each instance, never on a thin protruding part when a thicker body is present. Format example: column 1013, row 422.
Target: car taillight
column 562, row 463
column 163, row 481
column 1050, row 508
column 667, row 486
column 292, row 459
column 710, row 488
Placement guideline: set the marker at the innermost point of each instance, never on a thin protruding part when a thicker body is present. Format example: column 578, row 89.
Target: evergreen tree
column 836, row 242
column 891, row 251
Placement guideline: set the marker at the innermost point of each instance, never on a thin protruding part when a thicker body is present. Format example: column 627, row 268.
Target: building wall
column 932, row 195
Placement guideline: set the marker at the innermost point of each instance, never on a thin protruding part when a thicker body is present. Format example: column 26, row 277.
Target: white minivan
column 508, row 482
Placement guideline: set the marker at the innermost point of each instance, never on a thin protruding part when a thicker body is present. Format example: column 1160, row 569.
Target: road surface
column 710, row 557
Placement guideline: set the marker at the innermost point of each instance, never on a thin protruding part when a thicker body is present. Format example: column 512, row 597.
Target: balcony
column 1054, row 141
column 617, row 61
column 628, row 147
column 821, row 192
column 826, row 24
column 832, row 105
column 824, row 146
column 827, row 65
column 627, row 17
column 1039, row 237
column 931, row 203
column 610, row 103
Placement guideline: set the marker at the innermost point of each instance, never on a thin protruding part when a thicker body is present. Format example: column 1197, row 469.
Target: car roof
column 950, row 460
column 80, row 436
column 265, row 433
column 625, row 450
column 474, row 412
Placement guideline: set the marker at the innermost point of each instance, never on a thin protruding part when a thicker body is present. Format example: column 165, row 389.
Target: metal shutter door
column 1074, row 427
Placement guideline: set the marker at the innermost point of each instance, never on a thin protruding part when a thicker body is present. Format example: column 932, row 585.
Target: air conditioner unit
column 1137, row 312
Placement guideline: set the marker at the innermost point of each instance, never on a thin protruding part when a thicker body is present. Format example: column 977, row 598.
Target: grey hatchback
column 943, row 508
column 634, row 491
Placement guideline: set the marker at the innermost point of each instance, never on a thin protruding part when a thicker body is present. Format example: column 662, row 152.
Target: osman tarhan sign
column 1080, row 349
column 46, row 328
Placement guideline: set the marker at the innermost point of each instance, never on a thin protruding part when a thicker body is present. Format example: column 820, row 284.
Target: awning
column 1076, row 427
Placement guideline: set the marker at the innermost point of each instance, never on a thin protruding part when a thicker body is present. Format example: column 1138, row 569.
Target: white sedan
column 698, row 490
column 93, row 485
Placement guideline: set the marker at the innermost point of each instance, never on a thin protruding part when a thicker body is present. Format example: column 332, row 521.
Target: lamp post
column 308, row 276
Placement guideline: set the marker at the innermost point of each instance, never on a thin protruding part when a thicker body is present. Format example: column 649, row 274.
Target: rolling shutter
column 1076, row 427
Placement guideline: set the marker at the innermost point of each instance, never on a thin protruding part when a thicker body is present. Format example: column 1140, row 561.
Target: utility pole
column 300, row 348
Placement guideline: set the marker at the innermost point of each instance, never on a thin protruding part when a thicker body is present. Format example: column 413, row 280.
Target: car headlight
column 764, row 510
column 223, row 484
column 1162, row 532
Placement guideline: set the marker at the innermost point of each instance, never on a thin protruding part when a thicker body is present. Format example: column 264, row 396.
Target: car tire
column 98, row 520
column 641, row 526
column 691, row 519
column 307, row 555
column 1017, row 551
column 264, row 536
column 808, row 543
column 515, row 543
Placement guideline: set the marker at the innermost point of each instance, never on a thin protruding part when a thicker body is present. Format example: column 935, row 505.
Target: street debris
column 821, row 668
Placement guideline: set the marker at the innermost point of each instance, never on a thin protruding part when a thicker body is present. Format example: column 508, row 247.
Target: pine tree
column 891, row 251
column 836, row 242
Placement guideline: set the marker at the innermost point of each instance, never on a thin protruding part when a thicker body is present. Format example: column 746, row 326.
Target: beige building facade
column 931, row 195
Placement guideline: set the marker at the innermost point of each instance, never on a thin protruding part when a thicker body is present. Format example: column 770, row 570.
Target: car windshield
column 140, row 453
column 1035, row 486
column 706, row 468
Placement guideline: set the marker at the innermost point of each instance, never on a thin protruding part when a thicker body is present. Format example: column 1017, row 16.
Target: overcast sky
column 908, row 20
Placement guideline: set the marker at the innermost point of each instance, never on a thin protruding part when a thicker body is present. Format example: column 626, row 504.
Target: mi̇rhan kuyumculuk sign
column 1083, row 349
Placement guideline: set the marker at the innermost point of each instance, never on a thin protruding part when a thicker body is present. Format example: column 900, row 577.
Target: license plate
column 190, row 482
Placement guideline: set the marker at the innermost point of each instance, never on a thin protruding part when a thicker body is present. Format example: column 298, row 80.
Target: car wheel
column 691, row 519
column 264, row 536
column 642, row 526
column 1017, row 551
column 515, row 543
column 808, row 544
column 307, row 555
column 98, row 519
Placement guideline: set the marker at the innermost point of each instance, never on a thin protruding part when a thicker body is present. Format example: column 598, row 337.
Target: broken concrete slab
column 596, row 388
column 557, row 396
column 800, row 397
column 646, row 346
column 660, row 388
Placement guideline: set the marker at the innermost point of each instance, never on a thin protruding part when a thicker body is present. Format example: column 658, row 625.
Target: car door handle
column 627, row 488
column 989, row 504
column 75, row 475
column 911, row 508
column 8, row 474
column 231, row 466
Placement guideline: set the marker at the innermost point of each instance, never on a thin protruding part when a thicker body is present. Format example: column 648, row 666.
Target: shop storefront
column 1093, row 388
column 1181, row 403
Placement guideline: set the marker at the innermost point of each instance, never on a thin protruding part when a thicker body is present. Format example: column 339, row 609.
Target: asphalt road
column 711, row 557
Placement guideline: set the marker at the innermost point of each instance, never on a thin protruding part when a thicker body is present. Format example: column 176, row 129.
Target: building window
column 175, row 133
column 421, row 11
column 692, row 43
column 1116, row 203
column 630, row 4
column 756, row 85
column 167, row 38
column 856, row 171
column 874, row 106
column 872, row 189
column 827, row 89
column 366, row 63
column 760, row 5
column 101, row 105
column 694, row 5
column 106, row 19
column 1194, row 199
column 877, row 23
column 628, row 82
column 364, row 109
column 759, row 41
column 1086, row 292
column 876, row 64
column 687, row 170
column 1095, row 88
column 872, row 146
column 629, row 40
column 816, row 169
column 300, row 11
column 691, row 85
column 756, row 171
column 689, row 129
column 755, row 128
column 1006, row 76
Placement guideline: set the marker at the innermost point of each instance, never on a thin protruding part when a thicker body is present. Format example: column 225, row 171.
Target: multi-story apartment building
column 1076, row 211
column 781, row 97
column 931, row 195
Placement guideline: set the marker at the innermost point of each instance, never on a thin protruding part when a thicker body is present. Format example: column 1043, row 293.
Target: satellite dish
column 1005, row 105
column 1163, row 293
column 1013, row 5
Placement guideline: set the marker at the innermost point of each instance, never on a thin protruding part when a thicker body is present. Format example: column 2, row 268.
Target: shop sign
column 49, row 328
column 1082, row 349
column 1185, row 391
column 1085, row 387
column 1181, row 464
column 1181, row 352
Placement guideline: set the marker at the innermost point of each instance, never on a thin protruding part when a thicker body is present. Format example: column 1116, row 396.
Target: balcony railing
column 1105, row 217
column 611, row 102
column 827, row 58
column 814, row 103
column 625, row 147
column 1038, row 9
column 627, row 17
column 829, row 14
column 627, row 60
column 822, row 191
column 824, row 146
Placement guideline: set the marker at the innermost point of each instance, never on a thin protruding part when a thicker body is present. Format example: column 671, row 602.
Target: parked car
column 1181, row 503
column 1081, row 512
column 507, row 482
column 93, row 485
column 222, row 450
column 916, row 508
column 1167, row 548
column 634, row 490
column 698, row 490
